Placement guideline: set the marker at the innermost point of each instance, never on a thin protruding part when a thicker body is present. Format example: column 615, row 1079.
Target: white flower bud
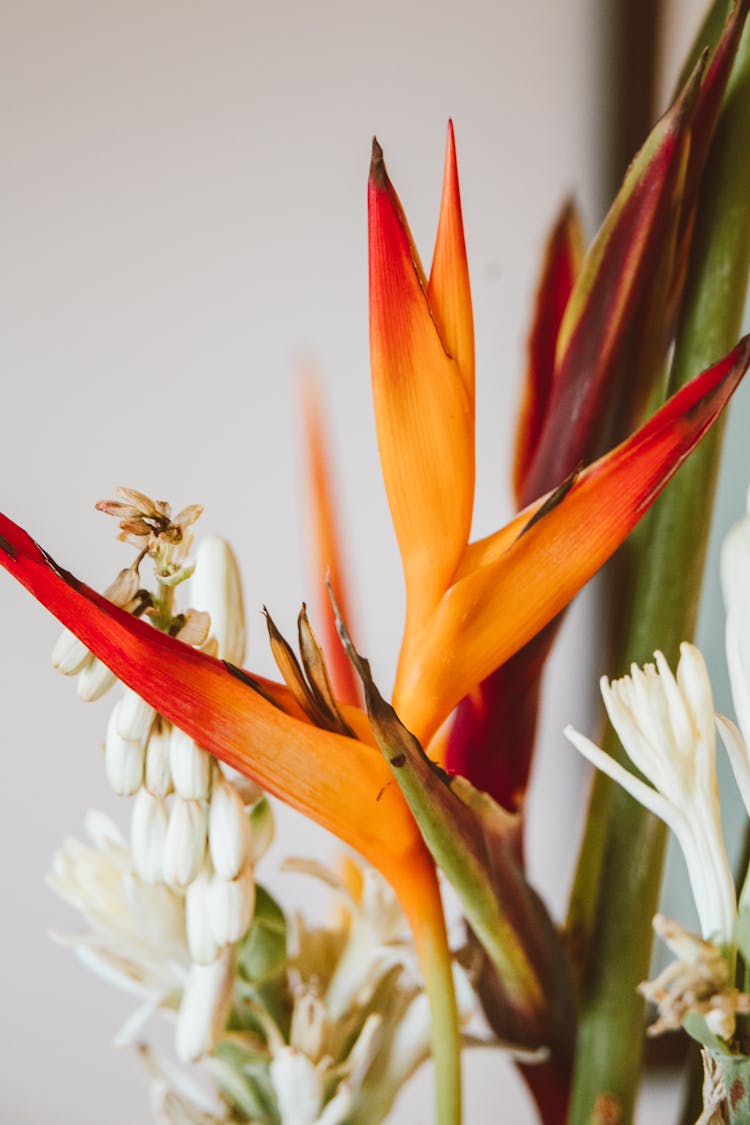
column 205, row 1007
column 148, row 834
column 123, row 759
column 94, row 680
column 201, row 942
column 69, row 654
column 190, row 766
column 135, row 717
column 299, row 1087
column 228, row 829
column 158, row 772
column 231, row 904
column 216, row 587
column 186, row 842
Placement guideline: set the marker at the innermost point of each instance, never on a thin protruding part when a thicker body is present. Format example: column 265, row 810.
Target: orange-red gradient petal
column 495, row 609
column 423, row 412
column 339, row 782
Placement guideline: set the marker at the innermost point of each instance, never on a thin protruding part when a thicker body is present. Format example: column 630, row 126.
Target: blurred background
column 183, row 229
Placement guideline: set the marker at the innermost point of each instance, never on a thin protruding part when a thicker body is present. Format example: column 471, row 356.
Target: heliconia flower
column 667, row 727
column 470, row 606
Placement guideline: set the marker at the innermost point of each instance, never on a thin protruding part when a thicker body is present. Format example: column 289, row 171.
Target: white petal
column 298, row 1085
column 739, row 757
column 69, row 654
column 94, row 681
column 190, row 766
column 201, row 942
column 123, row 760
column 231, row 905
column 643, row 793
column 158, row 778
column 216, row 587
column 205, row 1007
column 228, row 829
column 692, row 677
column 185, row 844
column 148, row 835
column 134, row 717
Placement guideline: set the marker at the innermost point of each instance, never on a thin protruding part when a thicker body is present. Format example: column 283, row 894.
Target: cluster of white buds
column 360, row 1022
column 194, row 831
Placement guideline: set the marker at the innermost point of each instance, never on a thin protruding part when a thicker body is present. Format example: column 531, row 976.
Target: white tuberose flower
column 667, row 727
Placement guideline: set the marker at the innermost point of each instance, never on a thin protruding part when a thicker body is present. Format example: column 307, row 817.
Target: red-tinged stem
column 549, row 1085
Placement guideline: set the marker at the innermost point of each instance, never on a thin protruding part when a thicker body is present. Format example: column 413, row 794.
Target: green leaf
column 244, row 1082
column 263, row 952
column 475, row 843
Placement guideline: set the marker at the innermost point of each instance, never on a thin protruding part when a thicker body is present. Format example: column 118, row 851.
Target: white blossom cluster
column 192, row 836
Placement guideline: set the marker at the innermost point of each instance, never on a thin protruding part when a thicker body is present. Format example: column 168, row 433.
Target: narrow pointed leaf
column 340, row 782
column 328, row 561
column 317, row 674
column 448, row 290
column 494, row 610
column 474, row 843
column 562, row 262
column 423, row 412
column 605, row 299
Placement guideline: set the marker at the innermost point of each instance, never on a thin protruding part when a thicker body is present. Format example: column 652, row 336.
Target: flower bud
column 228, row 829
column 69, row 654
column 201, row 942
column 216, row 587
column 185, row 844
column 94, row 680
column 123, row 759
column 148, row 834
column 190, row 766
column 205, row 1007
column 231, row 903
column 299, row 1086
column 158, row 772
column 135, row 717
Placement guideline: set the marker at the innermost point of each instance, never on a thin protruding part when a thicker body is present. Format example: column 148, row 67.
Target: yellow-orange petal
column 423, row 413
column 448, row 290
column 495, row 609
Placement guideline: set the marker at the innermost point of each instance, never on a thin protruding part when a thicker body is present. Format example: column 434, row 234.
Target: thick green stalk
column 618, row 879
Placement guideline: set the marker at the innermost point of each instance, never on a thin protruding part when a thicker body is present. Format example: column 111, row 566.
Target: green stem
column 619, row 874
column 437, row 972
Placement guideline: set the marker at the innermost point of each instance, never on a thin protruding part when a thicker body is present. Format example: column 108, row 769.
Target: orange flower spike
column 424, row 413
column 327, row 564
column 340, row 782
column 448, row 290
column 556, row 545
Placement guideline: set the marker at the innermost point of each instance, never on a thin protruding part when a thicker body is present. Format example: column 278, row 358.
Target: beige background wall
column 183, row 223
